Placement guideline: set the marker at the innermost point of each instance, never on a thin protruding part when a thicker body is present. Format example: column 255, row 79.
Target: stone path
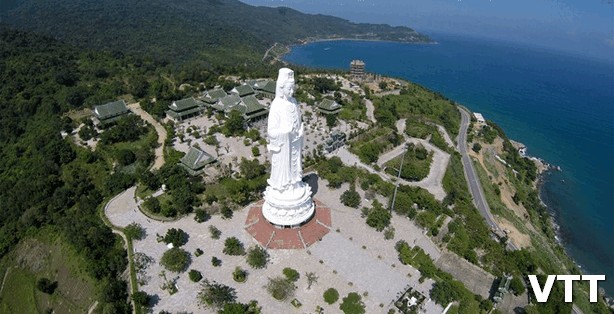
column 370, row 110
column 159, row 151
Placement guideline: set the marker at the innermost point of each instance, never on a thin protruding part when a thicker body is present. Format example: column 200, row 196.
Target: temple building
column 183, row 109
column 243, row 90
column 213, row 96
column 328, row 106
column 264, row 88
column 195, row 161
column 110, row 112
column 253, row 111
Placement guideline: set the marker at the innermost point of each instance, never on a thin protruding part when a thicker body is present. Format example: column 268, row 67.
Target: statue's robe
column 285, row 136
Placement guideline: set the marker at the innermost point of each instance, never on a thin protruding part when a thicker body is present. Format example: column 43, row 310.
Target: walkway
column 159, row 152
column 370, row 110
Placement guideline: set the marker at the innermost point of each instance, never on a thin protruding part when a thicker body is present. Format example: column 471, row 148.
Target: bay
column 560, row 106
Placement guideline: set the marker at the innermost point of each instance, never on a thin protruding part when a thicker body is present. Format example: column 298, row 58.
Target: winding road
column 475, row 188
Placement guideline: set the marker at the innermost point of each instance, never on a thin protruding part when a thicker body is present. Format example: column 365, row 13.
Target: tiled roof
column 196, row 159
column 184, row 104
column 111, row 109
column 243, row 90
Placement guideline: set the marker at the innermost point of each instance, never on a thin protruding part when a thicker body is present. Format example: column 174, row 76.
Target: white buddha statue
column 287, row 198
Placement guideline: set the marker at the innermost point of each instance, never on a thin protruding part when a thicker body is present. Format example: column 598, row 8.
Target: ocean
column 561, row 106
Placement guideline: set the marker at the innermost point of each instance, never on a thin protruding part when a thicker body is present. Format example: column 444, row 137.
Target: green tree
column 134, row 231
column 216, row 295
column 46, row 286
column 517, row 286
column 141, row 298
column 257, row 257
column 378, row 217
column 152, row 205
column 175, row 236
column 214, row 232
column 350, row 198
column 175, row 260
column 280, row 288
column 239, row 274
column 291, row 274
column 232, row 246
column 234, row 124
column 331, row 295
column 195, row 275
column 352, row 304
column 476, row 147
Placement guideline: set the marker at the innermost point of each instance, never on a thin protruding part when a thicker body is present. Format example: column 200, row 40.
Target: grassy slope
column 45, row 255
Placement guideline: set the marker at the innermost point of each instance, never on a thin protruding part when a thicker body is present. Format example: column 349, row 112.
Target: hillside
column 184, row 29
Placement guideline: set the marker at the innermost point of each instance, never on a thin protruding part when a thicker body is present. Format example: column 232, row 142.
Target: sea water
column 560, row 106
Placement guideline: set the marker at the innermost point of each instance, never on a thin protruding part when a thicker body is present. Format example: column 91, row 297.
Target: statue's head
column 285, row 83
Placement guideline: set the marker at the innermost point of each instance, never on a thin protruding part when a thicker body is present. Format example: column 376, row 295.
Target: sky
column 580, row 27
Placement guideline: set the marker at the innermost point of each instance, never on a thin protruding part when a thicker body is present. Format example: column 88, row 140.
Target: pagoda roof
column 243, row 90
column 110, row 110
column 196, row 159
column 184, row 104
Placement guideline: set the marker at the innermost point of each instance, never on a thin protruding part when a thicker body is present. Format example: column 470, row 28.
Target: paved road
column 159, row 151
column 479, row 200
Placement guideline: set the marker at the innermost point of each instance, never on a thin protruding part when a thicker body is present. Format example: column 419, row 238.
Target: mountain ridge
column 184, row 29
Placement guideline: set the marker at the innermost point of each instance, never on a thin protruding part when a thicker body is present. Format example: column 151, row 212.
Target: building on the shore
column 480, row 118
column 183, row 109
column 328, row 106
column 243, row 90
column 109, row 113
column 335, row 141
column 195, row 161
column 357, row 69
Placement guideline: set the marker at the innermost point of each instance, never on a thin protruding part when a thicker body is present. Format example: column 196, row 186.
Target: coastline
column 306, row 41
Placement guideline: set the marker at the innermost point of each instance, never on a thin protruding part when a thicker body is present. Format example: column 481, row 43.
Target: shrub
column 291, row 274
column 141, row 298
column 195, row 275
column 257, row 257
column 215, row 232
column 352, row 304
column 280, row 288
column 476, row 147
column 201, row 215
column 331, row 295
column 232, row 246
column 378, row 218
column 239, row 275
column 216, row 262
column 134, row 231
column 255, row 151
column 198, row 252
column 175, row 260
column 350, row 198
column 47, row 286
column 227, row 212
column 389, row 233
column 177, row 237
column 152, row 205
